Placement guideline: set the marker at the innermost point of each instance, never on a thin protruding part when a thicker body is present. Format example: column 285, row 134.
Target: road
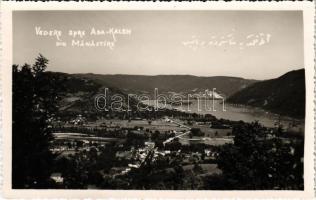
column 150, row 152
column 177, row 136
column 182, row 125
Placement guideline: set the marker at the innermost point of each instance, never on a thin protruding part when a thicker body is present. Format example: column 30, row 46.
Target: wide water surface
column 232, row 112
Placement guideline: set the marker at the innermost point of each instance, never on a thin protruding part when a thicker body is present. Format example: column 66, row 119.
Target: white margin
column 6, row 80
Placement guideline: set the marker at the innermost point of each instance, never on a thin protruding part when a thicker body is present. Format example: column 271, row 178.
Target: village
column 138, row 140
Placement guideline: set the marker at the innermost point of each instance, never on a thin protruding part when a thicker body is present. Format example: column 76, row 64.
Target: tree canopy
column 34, row 105
column 260, row 159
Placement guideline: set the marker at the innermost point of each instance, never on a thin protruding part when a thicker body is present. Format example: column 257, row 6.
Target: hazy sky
column 166, row 42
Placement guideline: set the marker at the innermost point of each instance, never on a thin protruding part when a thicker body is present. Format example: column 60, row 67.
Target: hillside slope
column 170, row 83
column 284, row 95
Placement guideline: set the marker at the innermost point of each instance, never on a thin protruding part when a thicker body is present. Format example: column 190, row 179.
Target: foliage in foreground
column 34, row 100
column 261, row 159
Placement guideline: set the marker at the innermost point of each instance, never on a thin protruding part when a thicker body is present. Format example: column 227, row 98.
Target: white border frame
column 6, row 81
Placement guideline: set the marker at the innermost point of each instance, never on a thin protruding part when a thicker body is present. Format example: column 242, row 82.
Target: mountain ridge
column 167, row 83
column 284, row 95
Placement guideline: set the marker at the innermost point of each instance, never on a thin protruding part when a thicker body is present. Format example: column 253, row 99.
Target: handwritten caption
column 93, row 37
column 250, row 40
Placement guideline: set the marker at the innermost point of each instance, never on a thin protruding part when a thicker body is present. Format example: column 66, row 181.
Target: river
column 232, row 112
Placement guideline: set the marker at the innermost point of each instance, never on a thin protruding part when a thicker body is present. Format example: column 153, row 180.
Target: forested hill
column 77, row 94
column 167, row 83
column 284, row 95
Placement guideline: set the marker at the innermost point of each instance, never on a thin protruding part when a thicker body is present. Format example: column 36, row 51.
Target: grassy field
column 160, row 125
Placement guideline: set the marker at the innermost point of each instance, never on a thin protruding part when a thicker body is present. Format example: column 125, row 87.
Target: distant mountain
column 170, row 83
column 284, row 95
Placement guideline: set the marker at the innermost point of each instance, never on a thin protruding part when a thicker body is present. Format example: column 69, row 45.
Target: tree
column 255, row 161
column 34, row 104
column 107, row 159
column 196, row 132
column 40, row 64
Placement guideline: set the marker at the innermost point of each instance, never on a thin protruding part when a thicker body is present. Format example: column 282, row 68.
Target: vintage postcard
column 158, row 100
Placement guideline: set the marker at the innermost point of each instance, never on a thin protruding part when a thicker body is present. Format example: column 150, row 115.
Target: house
column 133, row 166
column 150, row 144
column 57, row 177
column 124, row 154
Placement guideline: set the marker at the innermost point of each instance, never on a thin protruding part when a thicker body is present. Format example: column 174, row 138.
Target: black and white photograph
column 176, row 100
